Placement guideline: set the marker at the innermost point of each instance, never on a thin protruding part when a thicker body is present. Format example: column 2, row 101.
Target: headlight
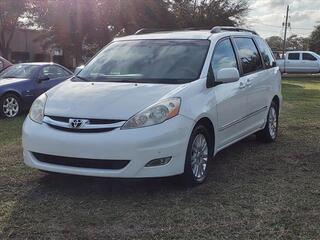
column 155, row 114
column 37, row 109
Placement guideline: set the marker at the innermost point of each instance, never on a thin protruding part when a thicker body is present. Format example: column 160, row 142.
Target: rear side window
column 224, row 56
column 266, row 53
column 249, row 55
column 294, row 56
column 308, row 57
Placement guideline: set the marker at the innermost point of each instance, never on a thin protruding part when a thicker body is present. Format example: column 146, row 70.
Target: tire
column 10, row 106
column 199, row 151
column 270, row 132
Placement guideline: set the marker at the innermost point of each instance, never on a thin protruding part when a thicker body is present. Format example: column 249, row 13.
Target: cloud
column 267, row 16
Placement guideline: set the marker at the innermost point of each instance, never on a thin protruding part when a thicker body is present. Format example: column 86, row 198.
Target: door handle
column 242, row 85
column 249, row 82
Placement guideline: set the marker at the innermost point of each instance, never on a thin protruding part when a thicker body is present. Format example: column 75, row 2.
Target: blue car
column 21, row 84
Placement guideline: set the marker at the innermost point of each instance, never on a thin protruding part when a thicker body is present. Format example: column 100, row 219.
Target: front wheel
column 270, row 132
column 10, row 106
column 198, row 156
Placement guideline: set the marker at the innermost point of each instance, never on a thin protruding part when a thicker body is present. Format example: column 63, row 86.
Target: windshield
column 150, row 61
column 18, row 71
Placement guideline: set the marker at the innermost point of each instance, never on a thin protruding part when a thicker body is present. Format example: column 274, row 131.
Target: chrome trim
column 50, row 121
column 242, row 119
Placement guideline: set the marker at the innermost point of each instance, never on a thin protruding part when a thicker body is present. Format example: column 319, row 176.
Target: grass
column 255, row 190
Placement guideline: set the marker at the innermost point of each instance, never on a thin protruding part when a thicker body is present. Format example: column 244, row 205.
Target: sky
column 267, row 16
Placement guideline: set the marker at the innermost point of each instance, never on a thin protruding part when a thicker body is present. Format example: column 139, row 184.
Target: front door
column 231, row 97
column 50, row 76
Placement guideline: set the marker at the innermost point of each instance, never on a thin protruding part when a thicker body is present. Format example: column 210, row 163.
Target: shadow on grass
column 52, row 200
column 229, row 203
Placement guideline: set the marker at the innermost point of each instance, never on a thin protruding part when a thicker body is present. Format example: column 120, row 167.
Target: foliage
column 16, row 14
column 294, row 42
column 208, row 13
column 315, row 40
column 77, row 27
column 275, row 42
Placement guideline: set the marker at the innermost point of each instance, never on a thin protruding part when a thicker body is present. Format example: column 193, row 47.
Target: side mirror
column 43, row 79
column 227, row 75
column 78, row 69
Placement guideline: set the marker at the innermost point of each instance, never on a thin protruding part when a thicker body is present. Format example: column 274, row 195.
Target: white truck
column 299, row 62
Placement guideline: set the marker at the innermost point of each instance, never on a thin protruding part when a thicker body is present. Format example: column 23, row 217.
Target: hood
column 7, row 81
column 104, row 100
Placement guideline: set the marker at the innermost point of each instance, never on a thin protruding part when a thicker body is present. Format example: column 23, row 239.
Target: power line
column 274, row 26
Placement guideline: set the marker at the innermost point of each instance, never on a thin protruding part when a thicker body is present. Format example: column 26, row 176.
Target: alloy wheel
column 273, row 122
column 10, row 107
column 199, row 157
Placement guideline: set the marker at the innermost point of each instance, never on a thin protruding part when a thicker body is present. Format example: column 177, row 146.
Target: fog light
column 158, row 162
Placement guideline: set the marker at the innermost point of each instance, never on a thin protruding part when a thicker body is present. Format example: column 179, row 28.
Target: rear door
column 293, row 64
column 231, row 97
column 310, row 63
column 50, row 76
column 256, row 83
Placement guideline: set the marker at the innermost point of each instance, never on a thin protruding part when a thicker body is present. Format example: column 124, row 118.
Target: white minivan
column 156, row 105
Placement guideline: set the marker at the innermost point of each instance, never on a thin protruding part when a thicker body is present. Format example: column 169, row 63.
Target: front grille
column 91, row 125
column 81, row 162
column 92, row 121
column 79, row 130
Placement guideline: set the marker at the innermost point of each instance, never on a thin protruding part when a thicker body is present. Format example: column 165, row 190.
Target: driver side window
column 224, row 57
column 53, row 72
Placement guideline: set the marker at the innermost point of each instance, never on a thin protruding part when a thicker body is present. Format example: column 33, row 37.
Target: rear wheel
column 270, row 132
column 198, row 156
column 10, row 106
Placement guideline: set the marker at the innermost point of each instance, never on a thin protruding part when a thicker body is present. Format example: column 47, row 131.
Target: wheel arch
column 206, row 122
column 276, row 100
column 11, row 92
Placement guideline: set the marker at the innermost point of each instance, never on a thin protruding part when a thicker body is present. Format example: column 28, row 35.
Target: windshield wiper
column 82, row 78
column 9, row 77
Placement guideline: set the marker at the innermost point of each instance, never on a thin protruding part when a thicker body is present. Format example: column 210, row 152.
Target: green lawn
column 255, row 190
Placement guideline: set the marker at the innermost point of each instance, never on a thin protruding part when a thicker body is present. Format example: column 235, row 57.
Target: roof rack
column 153, row 30
column 150, row 30
column 219, row 29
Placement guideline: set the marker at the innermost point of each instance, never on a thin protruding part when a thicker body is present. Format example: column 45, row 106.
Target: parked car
column 21, row 84
column 300, row 62
column 4, row 64
column 157, row 105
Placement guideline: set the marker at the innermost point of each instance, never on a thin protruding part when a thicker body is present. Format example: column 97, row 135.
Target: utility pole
column 286, row 25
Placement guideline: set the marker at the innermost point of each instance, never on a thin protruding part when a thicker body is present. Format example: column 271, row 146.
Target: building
column 26, row 46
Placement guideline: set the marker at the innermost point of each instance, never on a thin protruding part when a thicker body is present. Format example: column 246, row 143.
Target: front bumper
column 169, row 139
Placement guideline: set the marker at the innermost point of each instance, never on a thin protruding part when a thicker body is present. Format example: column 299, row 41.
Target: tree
column 315, row 39
column 275, row 43
column 294, row 42
column 76, row 27
column 208, row 13
column 15, row 14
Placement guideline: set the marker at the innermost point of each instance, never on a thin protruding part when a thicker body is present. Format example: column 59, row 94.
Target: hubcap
column 10, row 107
column 199, row 156
column 273, row 122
